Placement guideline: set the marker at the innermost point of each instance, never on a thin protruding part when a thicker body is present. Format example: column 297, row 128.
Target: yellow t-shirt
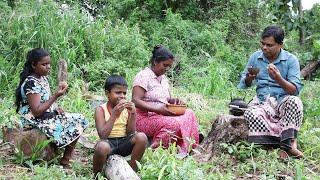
column 120, row 125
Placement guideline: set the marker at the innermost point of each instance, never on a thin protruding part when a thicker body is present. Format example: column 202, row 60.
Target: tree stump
column 62, row 71
column 28, row 141
column 225, row 129
column 117, row 168
column 311, row 67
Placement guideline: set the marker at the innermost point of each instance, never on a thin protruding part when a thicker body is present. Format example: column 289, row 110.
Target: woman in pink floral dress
column 150, row 95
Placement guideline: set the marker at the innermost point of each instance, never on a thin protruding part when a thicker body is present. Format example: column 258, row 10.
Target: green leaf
column 161, row 172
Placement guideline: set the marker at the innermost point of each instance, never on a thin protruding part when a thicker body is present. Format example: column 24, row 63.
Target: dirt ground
column 11, row 169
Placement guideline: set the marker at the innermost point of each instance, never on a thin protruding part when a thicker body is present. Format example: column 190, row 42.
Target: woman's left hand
column 175, row 101
column 59, row 110
column 62, row 88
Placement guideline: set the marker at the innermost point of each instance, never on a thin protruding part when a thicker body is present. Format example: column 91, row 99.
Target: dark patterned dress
column 62, row 128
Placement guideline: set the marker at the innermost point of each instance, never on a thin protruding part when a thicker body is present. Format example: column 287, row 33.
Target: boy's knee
column 141, row 138
column 102, row 147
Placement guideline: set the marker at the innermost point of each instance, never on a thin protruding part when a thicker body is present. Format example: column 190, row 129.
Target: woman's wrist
column 55, row 96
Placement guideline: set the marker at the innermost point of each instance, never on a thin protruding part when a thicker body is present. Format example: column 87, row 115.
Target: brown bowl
column 177, row 109
column 253, row 70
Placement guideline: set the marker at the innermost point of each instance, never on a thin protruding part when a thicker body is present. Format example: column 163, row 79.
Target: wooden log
column 27, row 141
column 225, row 129
column 62, row 71
column 117, row 168
column 311, row 67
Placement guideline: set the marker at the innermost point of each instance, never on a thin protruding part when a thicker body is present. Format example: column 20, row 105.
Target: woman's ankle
column 155, row 145
column 64, row 161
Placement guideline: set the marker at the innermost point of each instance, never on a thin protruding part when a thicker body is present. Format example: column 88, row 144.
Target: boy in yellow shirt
column 116, row 126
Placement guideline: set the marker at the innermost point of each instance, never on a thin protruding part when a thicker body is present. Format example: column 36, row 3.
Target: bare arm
column 103, row 127
column 137, row 96
column 131, row 126
column 37, row 108
column 287, row 86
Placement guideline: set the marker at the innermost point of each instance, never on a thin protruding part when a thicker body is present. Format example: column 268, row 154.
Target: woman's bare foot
column 155, row 145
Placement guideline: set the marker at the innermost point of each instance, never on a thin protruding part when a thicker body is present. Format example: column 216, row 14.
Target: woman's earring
column 33, row 66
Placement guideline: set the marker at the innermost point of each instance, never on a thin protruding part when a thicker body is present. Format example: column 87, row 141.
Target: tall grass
column 205, row 76
column 92, row 48
column 95, row 47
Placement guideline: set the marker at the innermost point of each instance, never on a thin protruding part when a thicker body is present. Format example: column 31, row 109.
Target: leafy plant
column 35, row 156
column 242, row 150
column 211, row 41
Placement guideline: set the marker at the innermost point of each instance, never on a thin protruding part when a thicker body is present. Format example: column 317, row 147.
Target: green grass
column 205, row 78
column 236, row 161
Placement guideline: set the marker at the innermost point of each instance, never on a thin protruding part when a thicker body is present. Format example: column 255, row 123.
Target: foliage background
column 211, row 39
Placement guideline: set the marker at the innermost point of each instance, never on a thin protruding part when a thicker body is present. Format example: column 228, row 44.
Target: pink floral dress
column 166, row 129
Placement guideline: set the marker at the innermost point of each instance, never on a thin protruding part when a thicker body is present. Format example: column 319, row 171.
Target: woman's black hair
column 160, row 53
column 274, row 31
column 113, row 80
column 33, row 57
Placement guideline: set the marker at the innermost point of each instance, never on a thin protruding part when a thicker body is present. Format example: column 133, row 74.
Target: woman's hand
column 175, row 101
column 59, row 110
column 163, row 110
column 62, row 88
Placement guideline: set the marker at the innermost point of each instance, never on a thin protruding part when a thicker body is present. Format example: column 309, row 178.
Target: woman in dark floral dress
column 37, row 106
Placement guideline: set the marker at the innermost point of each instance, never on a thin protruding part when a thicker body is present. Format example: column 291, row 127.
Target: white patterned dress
column 62, row 128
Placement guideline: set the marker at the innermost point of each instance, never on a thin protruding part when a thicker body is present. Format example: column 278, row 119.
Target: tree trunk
column 28, row 141
column 62, row 71
column 117, row 168
column 301, row 24
column 225, row 129
column 309, row 69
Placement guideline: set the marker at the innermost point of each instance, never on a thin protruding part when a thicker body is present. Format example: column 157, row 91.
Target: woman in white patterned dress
column 37, row 106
